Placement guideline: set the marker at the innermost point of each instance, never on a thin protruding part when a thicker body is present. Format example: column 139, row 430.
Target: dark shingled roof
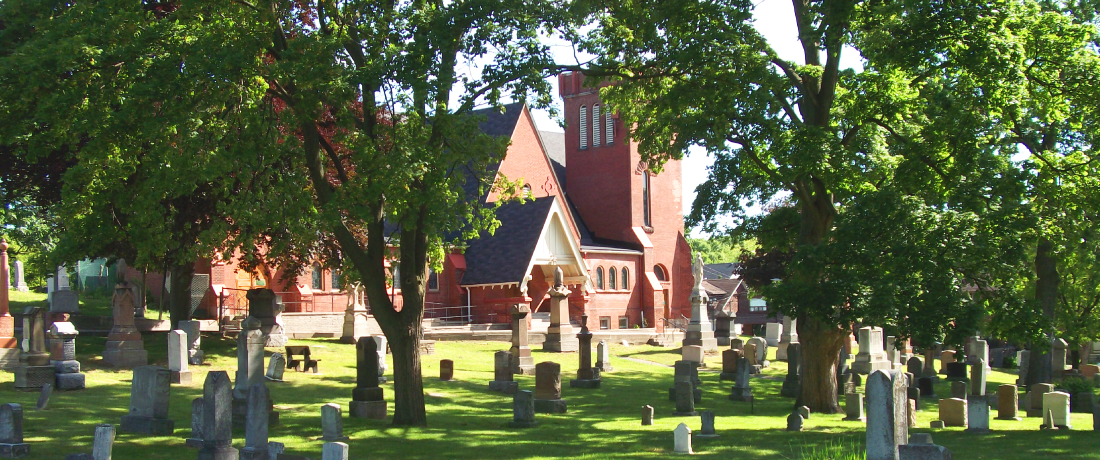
column 554, row 143
column 495, row 124
column 503, row 256
column 719, row 271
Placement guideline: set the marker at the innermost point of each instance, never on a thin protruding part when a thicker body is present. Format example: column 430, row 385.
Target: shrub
column 1009, row 362
column 1074, row 385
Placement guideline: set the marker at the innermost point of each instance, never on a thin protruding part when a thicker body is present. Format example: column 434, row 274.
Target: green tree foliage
column 907, row 207
column 720, row 249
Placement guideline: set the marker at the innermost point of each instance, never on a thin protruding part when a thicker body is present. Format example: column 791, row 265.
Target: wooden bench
column 300, row 365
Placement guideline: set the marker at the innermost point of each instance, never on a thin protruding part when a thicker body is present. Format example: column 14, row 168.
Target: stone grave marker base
column 31, row 378
column 504, row 386
column 584, row 383
column 374, row 410
column 146, row 425
column 551, row 406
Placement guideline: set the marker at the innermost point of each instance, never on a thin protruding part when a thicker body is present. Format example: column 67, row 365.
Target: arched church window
column 433, row 280
column 626, row 276
column 599, row 278
column 659, row 272
column 596, row 128
column 336, row 284
column 611, row 275
column 318, row 275
column 584, row 127
column 526, row 191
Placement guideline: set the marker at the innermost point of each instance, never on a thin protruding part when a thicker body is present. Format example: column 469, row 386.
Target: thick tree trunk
column 408, row 381
column 1046, row 296
column 179, row 300
column 821, row 344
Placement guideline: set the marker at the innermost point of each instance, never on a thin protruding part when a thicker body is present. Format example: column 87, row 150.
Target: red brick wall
column 615, row 302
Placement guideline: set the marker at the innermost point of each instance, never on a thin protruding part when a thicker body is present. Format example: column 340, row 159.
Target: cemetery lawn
column 468, row 421
column 90, row 305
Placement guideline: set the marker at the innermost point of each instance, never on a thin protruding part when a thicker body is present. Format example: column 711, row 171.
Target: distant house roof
column 503, row 257
column 721, row 271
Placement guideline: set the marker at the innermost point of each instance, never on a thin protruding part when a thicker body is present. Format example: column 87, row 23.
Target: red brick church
column 614, row 228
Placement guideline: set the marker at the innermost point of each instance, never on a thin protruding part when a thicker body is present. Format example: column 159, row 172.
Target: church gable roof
column 504, row 256
column 497, row 123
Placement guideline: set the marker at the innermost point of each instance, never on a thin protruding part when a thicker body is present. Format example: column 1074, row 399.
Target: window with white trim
column 584, row 127
column 596, row 126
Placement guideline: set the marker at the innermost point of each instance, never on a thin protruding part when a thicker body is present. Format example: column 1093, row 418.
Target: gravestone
column 356, row 316
column 64, row 301
column 1058, row 359
column 957, row 372
column 693, row 353
column 685, row 398
column 915, row 366
column 103, row 442
column 548, row 389
column 559, row 336
column 381, row 348
column 502, row 373
column 926, row 387
column 979, row 351
column 1007, row 402
column 647, row 415
column 682, row 439
column 250, row 368
column 195, row 441
column 276, row 367
column 217, row 418
column 760, row 349
column 913, row 393
column 124, row 345
column 332, row 423
column 523, row 410
column 193, row 330
column 17, row 277
column 603, row 357
column 722, row 322
column 920, row 447
column 1023, row 363
column 63, row 356
column 150, row 393
column 706, row 429
column 446, row 370
column 1056, row 410
column 334, row 451
column 11, row 432
column 741, row 390
column 772, row 333
column 959, row 390
column 587, row 376
column 522, row 362
column 687, row 371
column 977, row 414
column 366, row 398
column 1034, row 398
column 788, row 337
column 699, row 331
column 795, row 422
column 791, row 383
column 853, row 407
column 34, row 369
column 44, row 397
column 871, row 356
column 750, row 354
column 978, row 378
column 729, row 364
column 265, row 307
column 736, row 343
column 255, row 431
column 887, row 414
column 929, row 363
column 946, row 357
column 803, row 411
column 953, row 412
column 177, row 357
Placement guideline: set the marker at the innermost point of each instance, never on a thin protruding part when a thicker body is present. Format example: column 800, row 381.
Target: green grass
column 467, row 421
column 90, row 305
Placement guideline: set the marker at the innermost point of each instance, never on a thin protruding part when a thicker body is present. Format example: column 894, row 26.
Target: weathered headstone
column 647, row 415
column 150, row 393
column 177, row 357
column 446, row 370
column 124, row 345
column 34, row 369
column 773, row 333
column 953, row 412
column 741, row 390
column 946, row 357
column 686, row 371
column 978, row 377
column 853, row 407
column 276, row 367
column 788, row 337
column 502, row 373
column 685, row 398
column 915, row 366
column 193, row 329
column 729, row 364
column 957, row 371
column 103, row 442
column 217, row 418
column 1056, row 410
column 11, row 431
column 682, row 439
column 250, row 367
column 977, row 414
column 792, row 382
column 927, row 389
column 1058, row 359
column 63, row 356
column 366, row 398
column 332, row 423
column 706, row 429
column 381, row 347
column 1023, row 363
column 722, row 322
column 265, row 307
column 44, row 397
column 699, row 331
column 587, row 376
column 871, row 356
column 693, row 353
column 804, row 411
column 795, row 422
column 1007, row 402
column 887, row 414
column 959, row 390
column 1034, row 398
column 760, row 350
column 522, row 362
column 334, row 451
column 17, row 277
column 356, row 315
column 548, row 389
column 603, row 357
column 255, row 431
column 979, row 351
column 559, row 336
column 195, row 441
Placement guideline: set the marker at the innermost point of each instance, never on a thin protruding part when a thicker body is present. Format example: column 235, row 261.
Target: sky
column 774, row 19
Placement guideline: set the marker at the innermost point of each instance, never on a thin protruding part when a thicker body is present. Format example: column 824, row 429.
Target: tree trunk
column 1046, row 296
column 408, row 380
column 179, row 300
column 821, row 344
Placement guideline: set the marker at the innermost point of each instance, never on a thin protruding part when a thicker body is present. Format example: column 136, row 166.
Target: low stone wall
column 314, row 324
